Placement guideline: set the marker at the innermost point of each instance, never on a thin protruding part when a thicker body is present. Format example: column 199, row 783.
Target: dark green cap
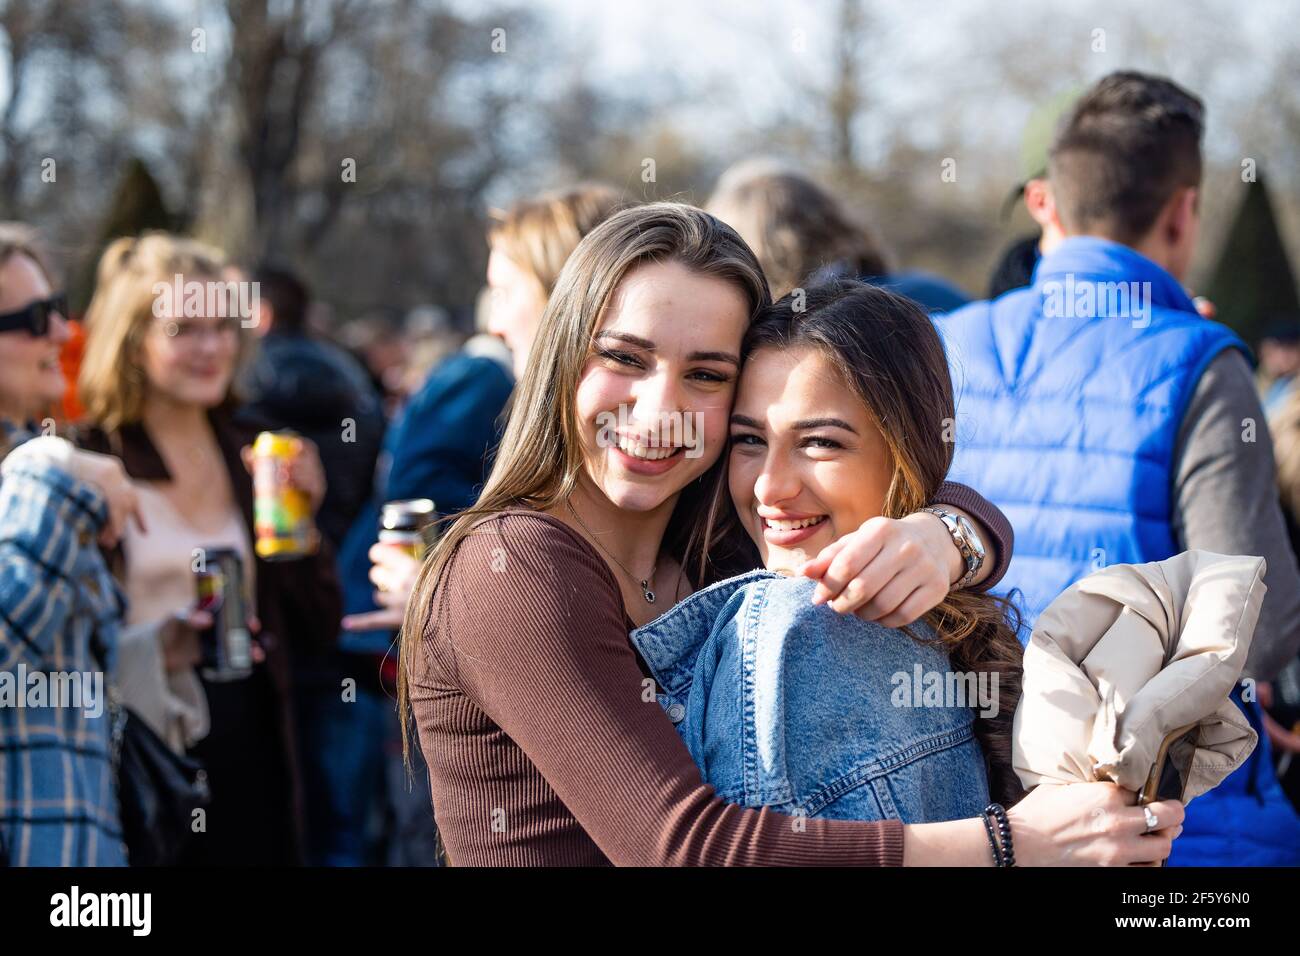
column 1036, row 141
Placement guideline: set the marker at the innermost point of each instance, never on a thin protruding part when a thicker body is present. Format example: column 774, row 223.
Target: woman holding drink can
column 156, row 383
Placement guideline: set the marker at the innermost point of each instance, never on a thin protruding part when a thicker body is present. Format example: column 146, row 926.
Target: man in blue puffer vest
column 1112, row 424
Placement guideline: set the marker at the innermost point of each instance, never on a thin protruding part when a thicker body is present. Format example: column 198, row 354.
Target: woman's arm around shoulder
column 531, row 622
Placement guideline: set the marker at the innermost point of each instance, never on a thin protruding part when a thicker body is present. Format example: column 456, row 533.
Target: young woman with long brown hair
column 545, row 740
column 839, row 419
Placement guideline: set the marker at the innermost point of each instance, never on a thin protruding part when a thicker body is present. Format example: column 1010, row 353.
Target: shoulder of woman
column 527, row 541
column 784, row 605
column 521, row 579
column 131, row 443
column 91, row 438
column 232, row 434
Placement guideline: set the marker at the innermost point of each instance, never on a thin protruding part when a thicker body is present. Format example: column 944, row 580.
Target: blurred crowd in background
column 397, row 303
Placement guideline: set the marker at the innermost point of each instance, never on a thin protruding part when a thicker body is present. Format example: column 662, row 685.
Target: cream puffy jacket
column 1127, row 655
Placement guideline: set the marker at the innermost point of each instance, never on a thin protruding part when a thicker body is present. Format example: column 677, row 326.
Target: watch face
column 972, row 537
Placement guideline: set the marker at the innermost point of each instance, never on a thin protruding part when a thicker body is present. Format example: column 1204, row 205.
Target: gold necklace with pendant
column 646, row 593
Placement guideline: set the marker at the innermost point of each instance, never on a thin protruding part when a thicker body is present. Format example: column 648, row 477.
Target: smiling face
column 191, row 361
column 654, row 395
column 808, row 463
column 31, row 378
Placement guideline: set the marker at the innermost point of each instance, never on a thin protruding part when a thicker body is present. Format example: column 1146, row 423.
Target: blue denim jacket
column 787, row 704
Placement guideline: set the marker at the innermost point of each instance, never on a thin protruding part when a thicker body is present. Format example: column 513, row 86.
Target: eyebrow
column 803, row 425
column 649, row 346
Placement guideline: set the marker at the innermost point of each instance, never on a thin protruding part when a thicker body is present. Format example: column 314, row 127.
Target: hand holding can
column 307, row 472
column 282, row 508
column 225, row 646
column 405, row 535
column 408, row 524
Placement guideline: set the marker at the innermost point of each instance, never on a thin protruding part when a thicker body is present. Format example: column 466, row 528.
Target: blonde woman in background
column 529, row 244
column 1284, row 426
column 156, row 384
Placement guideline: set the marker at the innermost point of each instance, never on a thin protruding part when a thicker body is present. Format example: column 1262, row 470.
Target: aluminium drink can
column 282, row 519
column 226, row 646
column 408, row 524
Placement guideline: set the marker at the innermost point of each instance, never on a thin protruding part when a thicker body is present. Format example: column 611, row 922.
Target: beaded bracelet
column 1008, row 855
column 993, row 842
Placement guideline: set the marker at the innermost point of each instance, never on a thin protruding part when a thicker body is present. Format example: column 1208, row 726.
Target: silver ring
column 1153, row 823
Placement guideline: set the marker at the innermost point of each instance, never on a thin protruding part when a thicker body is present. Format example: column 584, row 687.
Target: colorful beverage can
column 282, row 520
column 226, row 646
column 408, row 524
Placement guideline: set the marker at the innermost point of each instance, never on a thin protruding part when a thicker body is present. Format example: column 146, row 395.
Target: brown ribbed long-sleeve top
column 544, row 746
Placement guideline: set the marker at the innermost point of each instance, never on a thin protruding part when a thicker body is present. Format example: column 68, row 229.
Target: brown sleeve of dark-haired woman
column 540, row 646
column 1000, row 539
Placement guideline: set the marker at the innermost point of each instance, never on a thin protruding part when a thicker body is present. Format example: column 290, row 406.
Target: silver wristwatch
column 967, row 540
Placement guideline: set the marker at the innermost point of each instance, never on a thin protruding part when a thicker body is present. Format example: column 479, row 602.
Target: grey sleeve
column 1226, row 500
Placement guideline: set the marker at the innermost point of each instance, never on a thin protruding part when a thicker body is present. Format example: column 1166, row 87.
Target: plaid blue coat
column 59, row 612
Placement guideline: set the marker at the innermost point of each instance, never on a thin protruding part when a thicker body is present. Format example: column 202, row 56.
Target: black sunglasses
column 35, row 318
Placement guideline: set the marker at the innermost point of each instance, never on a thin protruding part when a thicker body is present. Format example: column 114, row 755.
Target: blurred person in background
column 803, row 234
column 378, row 344
column 430, row 337
column 528, row 246
column 297, row 380
column 1109, row 428
column 1015, row 267
column 60, row 610
column 157, row 386
column 1279, row 361
column 440, row 447
column 1282, row 699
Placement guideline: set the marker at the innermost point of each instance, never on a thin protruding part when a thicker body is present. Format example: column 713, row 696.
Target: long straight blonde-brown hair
column 540, row 456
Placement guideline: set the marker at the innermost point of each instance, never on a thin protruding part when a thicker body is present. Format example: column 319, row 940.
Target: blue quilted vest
column 1070, row 394
column 1067, row 420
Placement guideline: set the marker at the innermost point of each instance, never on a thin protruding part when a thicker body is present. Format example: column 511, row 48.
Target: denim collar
column 1094, row 259
column 670, row 643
